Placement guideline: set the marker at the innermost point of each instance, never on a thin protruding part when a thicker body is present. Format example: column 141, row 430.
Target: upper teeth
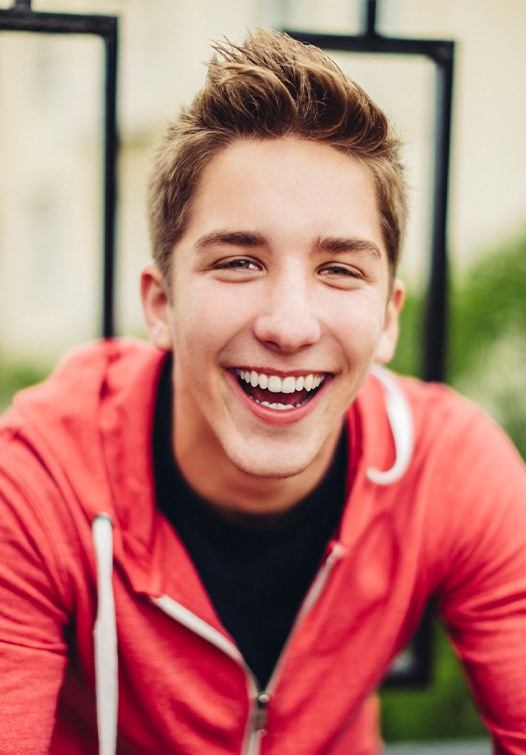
column 276, row 384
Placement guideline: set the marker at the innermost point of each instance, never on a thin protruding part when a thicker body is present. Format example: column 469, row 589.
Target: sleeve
column 483, row 593
column 33, row 623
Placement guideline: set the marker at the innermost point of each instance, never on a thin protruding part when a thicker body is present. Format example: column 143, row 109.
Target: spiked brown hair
column 269, row 87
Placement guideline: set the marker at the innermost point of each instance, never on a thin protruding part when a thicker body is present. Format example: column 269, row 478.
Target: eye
column 340, row 271
column 238, row 265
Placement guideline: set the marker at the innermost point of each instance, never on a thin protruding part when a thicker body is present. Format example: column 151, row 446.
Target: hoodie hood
column 96, row 411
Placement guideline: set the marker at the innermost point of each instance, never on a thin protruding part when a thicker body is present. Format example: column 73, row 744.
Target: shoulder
column 433, row 402
column 57, row 434
column 443, row 421
column 81, row 380
column 458, row 428
column 461, row 471
column 473, row 482
column 91, row 364
column 428, row 431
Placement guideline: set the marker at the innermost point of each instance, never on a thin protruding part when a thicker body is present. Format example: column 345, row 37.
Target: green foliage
column 444, row 710
column 408, row 357
column 15, row 376
column 487, row 337
column 488, row 305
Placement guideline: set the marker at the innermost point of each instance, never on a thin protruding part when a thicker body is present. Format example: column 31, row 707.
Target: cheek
column 360, row 324
column 205, row 320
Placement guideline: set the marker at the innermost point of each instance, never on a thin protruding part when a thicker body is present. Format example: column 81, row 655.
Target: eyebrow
column 230, row 238
column 252, row 239
column 339, row 244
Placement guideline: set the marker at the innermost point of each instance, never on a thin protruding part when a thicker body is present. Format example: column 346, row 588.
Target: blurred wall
column 50, row 140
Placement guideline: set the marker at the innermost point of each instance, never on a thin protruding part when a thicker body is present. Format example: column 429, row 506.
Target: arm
column 483, row 595
column 33, row 619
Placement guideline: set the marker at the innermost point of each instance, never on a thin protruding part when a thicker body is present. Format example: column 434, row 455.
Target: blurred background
column 51, row 91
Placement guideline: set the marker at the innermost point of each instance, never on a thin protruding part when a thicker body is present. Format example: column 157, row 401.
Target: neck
column 215, row 478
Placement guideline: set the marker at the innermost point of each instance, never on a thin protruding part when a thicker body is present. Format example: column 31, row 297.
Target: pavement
column 481, row 747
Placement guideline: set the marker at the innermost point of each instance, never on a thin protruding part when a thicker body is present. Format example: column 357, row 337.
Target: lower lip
column 279, row 416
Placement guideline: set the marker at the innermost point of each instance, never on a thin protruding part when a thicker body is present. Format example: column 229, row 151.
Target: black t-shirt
column 258, row 571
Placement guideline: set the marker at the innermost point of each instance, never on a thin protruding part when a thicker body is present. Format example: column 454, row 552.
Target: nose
column 288, row 321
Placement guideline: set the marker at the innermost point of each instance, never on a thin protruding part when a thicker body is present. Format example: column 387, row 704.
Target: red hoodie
column 448, row 519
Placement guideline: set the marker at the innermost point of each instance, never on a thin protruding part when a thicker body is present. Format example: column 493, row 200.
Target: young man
column 254, row 514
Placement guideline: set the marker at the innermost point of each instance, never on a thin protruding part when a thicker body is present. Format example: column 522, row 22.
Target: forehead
column 288, row 189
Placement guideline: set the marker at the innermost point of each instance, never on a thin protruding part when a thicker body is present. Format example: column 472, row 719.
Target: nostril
column 288, row 331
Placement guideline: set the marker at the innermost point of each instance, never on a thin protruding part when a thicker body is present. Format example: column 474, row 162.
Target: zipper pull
column 261, row 715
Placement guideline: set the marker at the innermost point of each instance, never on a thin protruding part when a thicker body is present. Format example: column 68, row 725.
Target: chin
column 272, row 473
column 275, row 467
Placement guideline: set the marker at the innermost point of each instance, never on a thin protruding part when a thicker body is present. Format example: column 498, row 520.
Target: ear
column 156, row 307
column 387, row 344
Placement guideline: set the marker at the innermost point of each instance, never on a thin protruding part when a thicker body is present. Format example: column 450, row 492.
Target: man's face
column 280, row 304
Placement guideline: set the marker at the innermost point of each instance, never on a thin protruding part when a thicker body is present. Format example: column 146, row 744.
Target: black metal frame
column 21, row 17
column 416, row 670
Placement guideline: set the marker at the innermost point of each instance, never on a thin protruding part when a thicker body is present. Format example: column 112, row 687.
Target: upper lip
column 282, row 373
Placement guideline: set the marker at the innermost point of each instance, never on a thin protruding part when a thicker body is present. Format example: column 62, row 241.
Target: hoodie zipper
column 263, row 698
column 259, row 698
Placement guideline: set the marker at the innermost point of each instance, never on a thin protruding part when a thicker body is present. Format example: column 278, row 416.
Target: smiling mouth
column 280, row 393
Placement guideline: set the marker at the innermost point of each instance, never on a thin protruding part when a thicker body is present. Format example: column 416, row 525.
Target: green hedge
column 17, row 375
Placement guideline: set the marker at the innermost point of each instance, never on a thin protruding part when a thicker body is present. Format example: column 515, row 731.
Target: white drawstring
column 105, row 638
column 401, row 422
